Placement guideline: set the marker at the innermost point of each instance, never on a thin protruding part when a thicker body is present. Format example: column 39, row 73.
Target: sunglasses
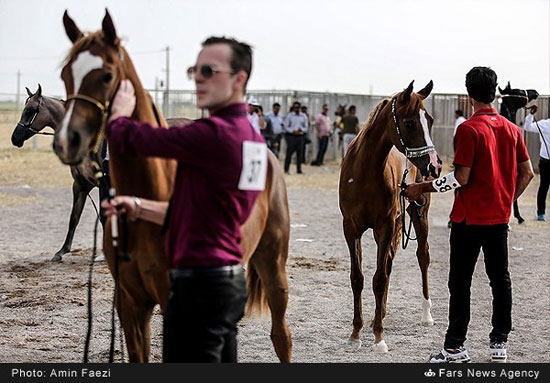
column 206, row 71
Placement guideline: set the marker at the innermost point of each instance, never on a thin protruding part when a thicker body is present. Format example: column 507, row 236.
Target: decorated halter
column 409, row 152
column 524, row 96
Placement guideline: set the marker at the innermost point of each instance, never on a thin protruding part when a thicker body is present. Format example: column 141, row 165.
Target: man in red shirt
column 222, row 166
column 492, row 169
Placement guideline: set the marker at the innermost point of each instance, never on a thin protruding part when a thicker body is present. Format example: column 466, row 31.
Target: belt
column 189, row 272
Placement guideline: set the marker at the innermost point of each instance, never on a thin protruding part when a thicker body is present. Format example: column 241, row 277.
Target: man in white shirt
column 541, row 127
column 255, row 115
column 459, row 116
column 295, row 128
column 275, row 124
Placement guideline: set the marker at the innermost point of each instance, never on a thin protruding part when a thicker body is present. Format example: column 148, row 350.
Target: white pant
column 348, row 137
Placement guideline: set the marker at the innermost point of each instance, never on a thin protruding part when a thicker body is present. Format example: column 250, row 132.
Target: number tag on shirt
column 254, row 170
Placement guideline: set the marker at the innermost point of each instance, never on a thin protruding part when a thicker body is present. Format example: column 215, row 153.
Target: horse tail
column 257, row 300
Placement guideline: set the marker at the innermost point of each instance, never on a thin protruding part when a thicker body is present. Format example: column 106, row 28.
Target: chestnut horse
column 370, row 178
column 92, row 72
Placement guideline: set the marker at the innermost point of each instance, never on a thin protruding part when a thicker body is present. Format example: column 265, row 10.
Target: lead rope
column 406, row 233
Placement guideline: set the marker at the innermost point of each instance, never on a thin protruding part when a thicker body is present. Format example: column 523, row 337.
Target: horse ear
column 39, row 91
column 500, row 90
column 28, row 92
column 406, row 95
column 109, row 31
column 70, row 28
column 424, row 93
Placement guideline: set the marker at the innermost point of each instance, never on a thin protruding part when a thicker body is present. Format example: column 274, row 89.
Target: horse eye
column 409, row 123
column 107, row 78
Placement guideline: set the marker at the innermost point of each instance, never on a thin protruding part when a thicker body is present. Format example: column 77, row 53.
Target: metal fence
column 441, row 106
column 182, row 103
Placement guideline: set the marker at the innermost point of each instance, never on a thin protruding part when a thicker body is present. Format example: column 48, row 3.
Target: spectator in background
column 307, row 140
column 322, row 126
column 255, row 115
column 541, row 127
column 295, row 129
column 459, row 119
column 351, row 127
column 275, row 126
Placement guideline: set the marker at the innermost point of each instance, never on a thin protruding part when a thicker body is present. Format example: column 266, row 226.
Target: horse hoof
column 520, row 220
column 100, row 258
column 380, row 347
column 427, row 319
column 354, row 343
column 56, row 258
column 428, row 322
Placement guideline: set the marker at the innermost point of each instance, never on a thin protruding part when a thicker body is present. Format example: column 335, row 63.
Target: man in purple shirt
column 222, row 166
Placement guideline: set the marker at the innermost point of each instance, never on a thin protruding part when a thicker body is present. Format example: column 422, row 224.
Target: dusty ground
column 43, row 305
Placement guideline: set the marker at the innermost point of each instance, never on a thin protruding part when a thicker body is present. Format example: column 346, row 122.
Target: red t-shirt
column 491, row 146
column 208, row 205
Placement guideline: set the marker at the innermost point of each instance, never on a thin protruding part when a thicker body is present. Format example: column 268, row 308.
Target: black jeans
column 544, row 171
column 200, row 321
column 466, row 241
column 294, row 143
column 323, row 144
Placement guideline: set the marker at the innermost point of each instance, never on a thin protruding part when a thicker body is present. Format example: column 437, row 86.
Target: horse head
column 515, row 99
column 340, row 110
column 33, row 119
column 412, row 127
column 92, row 72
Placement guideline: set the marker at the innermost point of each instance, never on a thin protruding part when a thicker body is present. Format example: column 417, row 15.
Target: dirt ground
column 43, row 314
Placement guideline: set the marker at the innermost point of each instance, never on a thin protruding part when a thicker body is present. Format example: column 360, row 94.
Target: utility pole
column 166, row 102
column 156, row 90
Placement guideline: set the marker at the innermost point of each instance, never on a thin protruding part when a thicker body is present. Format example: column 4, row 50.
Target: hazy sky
column 338, row 45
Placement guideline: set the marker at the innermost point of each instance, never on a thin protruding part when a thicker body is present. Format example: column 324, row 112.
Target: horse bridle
column 28, row 125
column 517, row 95
column 409, row 152
column 104, row 109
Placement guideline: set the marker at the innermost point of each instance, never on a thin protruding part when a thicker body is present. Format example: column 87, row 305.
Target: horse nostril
column 74, row 139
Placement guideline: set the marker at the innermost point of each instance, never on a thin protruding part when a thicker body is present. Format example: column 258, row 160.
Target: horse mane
column 373, row 114
column 84, row 42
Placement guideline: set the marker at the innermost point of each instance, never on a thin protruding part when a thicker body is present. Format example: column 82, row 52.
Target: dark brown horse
column 93, row 69
column 512, row 101
column 369, row 192
column 41, row 112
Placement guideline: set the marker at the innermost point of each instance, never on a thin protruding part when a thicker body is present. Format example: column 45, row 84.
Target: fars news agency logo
column 429, row 373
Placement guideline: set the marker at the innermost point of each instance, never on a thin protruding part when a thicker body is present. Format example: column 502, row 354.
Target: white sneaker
column 458, row 355
column 498, row 352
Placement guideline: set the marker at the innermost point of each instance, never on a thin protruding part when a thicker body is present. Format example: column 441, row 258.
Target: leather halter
column 409, row 152
column 28, row 125
column 104, row 108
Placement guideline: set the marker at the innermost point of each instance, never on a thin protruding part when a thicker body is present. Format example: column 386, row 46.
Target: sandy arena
column 43, row 315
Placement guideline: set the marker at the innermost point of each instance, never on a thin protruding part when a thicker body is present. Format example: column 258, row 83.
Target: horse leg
column 517, row 215
column 419, row 217
column 135, row 310
column 272, row 272
column 353, row 241
column 80, row 191
column 386, row 240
